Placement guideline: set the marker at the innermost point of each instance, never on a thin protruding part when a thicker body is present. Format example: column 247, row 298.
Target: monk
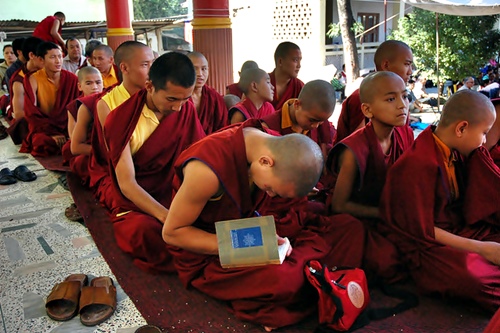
column 134, row 60
column 234, row 88
column 47, row 92
column 50, row 29
column 360, row 162
column 493, row 136
column 258, row 90
column 145, row 135
column 102, row 58
column 287, row 59
column 393, row 56
column 18, row 129
column 231, row 100
column 243, row 169
column 449, row 243
column 209, row 104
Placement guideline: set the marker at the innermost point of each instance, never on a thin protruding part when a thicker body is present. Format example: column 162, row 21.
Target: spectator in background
column 89, row 48
column 468, row 83
column 17, row 45
column 10, row 58
column 414, row 105
column 74, row 59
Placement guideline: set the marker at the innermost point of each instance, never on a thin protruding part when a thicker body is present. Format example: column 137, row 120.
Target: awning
column 459, row 7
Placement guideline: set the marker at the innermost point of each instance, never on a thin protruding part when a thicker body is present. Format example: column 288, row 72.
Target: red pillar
column 212, row 36
column 118, row 22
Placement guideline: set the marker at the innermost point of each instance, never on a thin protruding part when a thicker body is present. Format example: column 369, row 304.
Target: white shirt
column 72, row 66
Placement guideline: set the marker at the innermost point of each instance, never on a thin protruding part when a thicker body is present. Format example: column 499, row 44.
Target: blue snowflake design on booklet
column 246, row 237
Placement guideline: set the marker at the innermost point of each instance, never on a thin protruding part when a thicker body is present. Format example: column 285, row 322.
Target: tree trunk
column 346, row 22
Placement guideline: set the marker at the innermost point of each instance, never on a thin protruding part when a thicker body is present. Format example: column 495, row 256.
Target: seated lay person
column 47, row 92
column 360, row 163
column 287, row 58
column 426, row 205
column 258, row 90
column 9, row 58
column 145, row 134
column 243, row 169
column 234, row 88
column 209, row 104
column 102, row 59
column 74, row 59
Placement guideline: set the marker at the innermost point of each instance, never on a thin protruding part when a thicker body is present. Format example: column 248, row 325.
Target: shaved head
column 318, row 94
column 126, row 51
column 250, row 75
column 231, row 100
column 87, row 70
column 283, row 50
column 103, row 47
column 468, row 105
column 196, row 55
column 370, row 86
column 249, row 64
column 305, row 171
column 388, row 50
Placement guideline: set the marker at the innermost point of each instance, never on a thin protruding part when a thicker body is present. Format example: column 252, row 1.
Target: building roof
column 84, row 29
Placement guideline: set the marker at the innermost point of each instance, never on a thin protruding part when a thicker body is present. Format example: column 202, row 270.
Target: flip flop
column 7, row 177
column 98, row 301
column 73, row 214
column 148, row 329
column 24, row 174
column 62, row 303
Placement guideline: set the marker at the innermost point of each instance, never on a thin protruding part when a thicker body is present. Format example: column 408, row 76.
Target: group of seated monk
column 169, row 156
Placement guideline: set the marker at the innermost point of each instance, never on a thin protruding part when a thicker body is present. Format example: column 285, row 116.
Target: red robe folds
column 292, row 91
column 234, row 89
column 42, row 30
column 18, row 129
column 495, row 154
column 417, row 198
column 249, row 111
column 350, row 117
column 42, row 126
column 272, row 295
column 381, row 256
column 213, row 111
column 137, row 233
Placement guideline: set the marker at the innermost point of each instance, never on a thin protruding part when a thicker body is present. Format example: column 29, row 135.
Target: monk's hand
column 491, row 252
column 282, row 241
column 313, row 192
column 59, row 139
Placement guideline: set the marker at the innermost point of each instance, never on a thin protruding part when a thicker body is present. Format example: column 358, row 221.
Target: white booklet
column 249, row 242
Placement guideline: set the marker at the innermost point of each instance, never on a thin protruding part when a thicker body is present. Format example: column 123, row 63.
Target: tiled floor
column 39, row 247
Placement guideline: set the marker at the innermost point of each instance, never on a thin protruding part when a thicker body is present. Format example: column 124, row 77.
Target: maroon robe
column 350, row 117
column 381, row 256
column 42, row 126
column 249, row 111
column 417, row 198
column 42, row 30
column 292, row 90
column 494, row 324
column 234, row 89
column 285, row 297
column 213, row 111
column 137, row 233
column 495, row 154
column 18, row 129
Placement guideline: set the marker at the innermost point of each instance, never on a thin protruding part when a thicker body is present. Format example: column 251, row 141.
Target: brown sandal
column 62, row 302
column 98, row 301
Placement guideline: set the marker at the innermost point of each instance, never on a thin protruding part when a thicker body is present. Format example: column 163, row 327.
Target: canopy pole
column 437, row 59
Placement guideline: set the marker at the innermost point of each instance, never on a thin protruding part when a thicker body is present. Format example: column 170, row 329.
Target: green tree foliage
column 466, row 43
column 151, row 9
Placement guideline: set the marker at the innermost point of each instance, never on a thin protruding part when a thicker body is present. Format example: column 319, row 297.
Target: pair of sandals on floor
column 22, row 173
column 95, row 302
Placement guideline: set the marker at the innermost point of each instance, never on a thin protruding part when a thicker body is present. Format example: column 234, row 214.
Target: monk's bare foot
column 269, row 329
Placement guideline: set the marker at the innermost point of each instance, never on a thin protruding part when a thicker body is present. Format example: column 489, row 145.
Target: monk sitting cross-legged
column 243, row 168
column 360, row 162
column 145, row 135
column 448, row 239
column 209, row 104
column 259, row 93
column 47, row 92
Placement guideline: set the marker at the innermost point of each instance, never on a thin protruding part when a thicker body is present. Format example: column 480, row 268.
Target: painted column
column 118, row 22
column 212, row 36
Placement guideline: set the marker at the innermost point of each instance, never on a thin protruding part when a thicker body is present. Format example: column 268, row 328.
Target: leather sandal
column 148, row 329
column 98, row 301
column 62, row 302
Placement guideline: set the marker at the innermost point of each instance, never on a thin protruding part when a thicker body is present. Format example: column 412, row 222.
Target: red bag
column 343, row 294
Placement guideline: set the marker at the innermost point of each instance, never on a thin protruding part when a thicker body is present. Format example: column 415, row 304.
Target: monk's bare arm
column 489, row 250
column 71, row 124
column 34, row 87
column 125, row 175
column 18, row 100
column 361, row 125
column 343, row 189
column 237, row 117
column 102, row 112
column 187, row 205
column 79, row 145
column 54, row 32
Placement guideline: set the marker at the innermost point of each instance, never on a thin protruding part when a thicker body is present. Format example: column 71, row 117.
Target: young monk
column 243, row 169
column 287, row 59
column 234, row 88
column 426, row 200
column 393, row 56
column 47, row 92
column 209, row 104
column 231, row 100
column 145, row 135
column 360, row 162
column 258, row 90
column 134, row 60
column 102, row 59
